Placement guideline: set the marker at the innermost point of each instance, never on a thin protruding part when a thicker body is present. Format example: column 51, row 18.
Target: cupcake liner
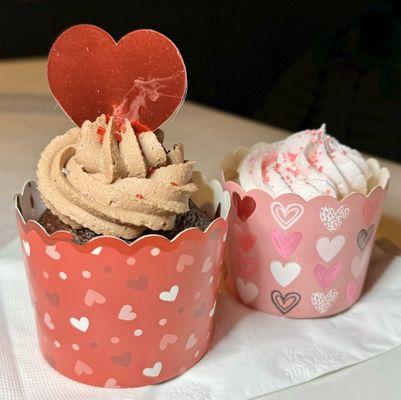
column 302, row 259
column 114, row 314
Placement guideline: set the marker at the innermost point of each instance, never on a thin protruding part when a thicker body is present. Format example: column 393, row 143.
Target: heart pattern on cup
column 170, row 295
column 212, row 310
column 248, row 292
column 53, row 253
column 329, row 248
column 140, row 283
column 191, row 341
column 97, row 250
column 244, row 207
column 370, row 208
column 166, row 340
column 207, row 265
column 353, row 290
column 53, row 298
column 246, row 266
column 326, row 276
column 154, row 371
column 111, row 383
column 200, row 312
column 313, row 247
column 288, row 215
column 357, row 266
column 126, row 313
column 184, row 261
column 47, row 319
column 332, row 219
column 246, row 238
column 123, row 360
column 285, row 303
column 82, row 368
column 284, row 274
column 82, row 324
column 322, row 302
column 92, row 297
column 285, row 243
column 364, row 236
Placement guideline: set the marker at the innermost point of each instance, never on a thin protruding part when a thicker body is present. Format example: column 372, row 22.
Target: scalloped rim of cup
column 240, row 152
column 221, row 196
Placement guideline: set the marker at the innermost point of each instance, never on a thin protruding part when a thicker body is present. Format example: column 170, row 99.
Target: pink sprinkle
column 292, row 156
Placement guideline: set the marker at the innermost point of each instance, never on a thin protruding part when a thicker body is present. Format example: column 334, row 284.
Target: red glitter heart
column 141, row 77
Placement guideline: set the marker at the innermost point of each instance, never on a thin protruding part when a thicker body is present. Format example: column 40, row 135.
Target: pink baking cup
column 114, row 314
column 302, row 259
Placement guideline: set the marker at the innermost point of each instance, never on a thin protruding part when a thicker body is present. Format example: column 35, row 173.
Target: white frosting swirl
column 309, row 163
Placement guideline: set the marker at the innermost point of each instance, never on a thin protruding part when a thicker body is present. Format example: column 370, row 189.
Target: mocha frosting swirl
column 107, row 178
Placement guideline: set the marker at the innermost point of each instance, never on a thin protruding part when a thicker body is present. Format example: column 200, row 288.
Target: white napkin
column 253, row 353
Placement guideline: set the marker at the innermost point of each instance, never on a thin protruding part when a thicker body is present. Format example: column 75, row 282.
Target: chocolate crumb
column 195, row 217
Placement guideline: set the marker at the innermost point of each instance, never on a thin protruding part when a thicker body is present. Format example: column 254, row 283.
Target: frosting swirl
column 107, row 178
column 309, row 163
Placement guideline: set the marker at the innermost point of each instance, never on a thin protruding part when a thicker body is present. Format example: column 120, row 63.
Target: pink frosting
column 309, row 163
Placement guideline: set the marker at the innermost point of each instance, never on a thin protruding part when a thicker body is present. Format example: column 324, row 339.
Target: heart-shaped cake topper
column 141, row 77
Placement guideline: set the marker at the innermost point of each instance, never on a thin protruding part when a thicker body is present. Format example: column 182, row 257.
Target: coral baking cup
column 114, row 314
column 302, row 259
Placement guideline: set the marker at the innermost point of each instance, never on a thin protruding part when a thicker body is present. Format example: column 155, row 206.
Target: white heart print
column 47, row 319
column 126, row 313
column 82, row 324
column 207, row 265
column 170, row 295
column 288, row 215
column 333, row 219
column 284, row 274
column 191, row 341
column 154, row 371
column 328, row 248
column 53, row 253
column 323, row 302
column 247, row 291
column 96, row 251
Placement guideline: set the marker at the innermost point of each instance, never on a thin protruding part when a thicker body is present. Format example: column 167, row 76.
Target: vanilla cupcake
column 305, row 213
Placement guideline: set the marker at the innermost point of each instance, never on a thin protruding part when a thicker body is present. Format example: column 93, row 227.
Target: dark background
column 293, row 64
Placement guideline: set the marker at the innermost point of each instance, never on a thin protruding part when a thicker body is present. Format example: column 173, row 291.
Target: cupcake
column 122, row 241
column 302, row 226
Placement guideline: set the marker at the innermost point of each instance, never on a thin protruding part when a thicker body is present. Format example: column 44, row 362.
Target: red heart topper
column 141, row 77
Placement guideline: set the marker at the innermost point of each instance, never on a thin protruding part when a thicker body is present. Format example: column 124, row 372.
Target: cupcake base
column 193, row 218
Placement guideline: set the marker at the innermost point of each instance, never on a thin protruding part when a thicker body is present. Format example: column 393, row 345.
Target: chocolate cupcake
column 122, row 241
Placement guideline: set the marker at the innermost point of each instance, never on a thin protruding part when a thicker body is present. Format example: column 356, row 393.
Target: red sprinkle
column 174, row 184
column 139, row 196
column 138, row 127
column 101, row 130
column 107, row 118
column 118, row 136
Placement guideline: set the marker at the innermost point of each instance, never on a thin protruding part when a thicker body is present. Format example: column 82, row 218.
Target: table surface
column 29, row 118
